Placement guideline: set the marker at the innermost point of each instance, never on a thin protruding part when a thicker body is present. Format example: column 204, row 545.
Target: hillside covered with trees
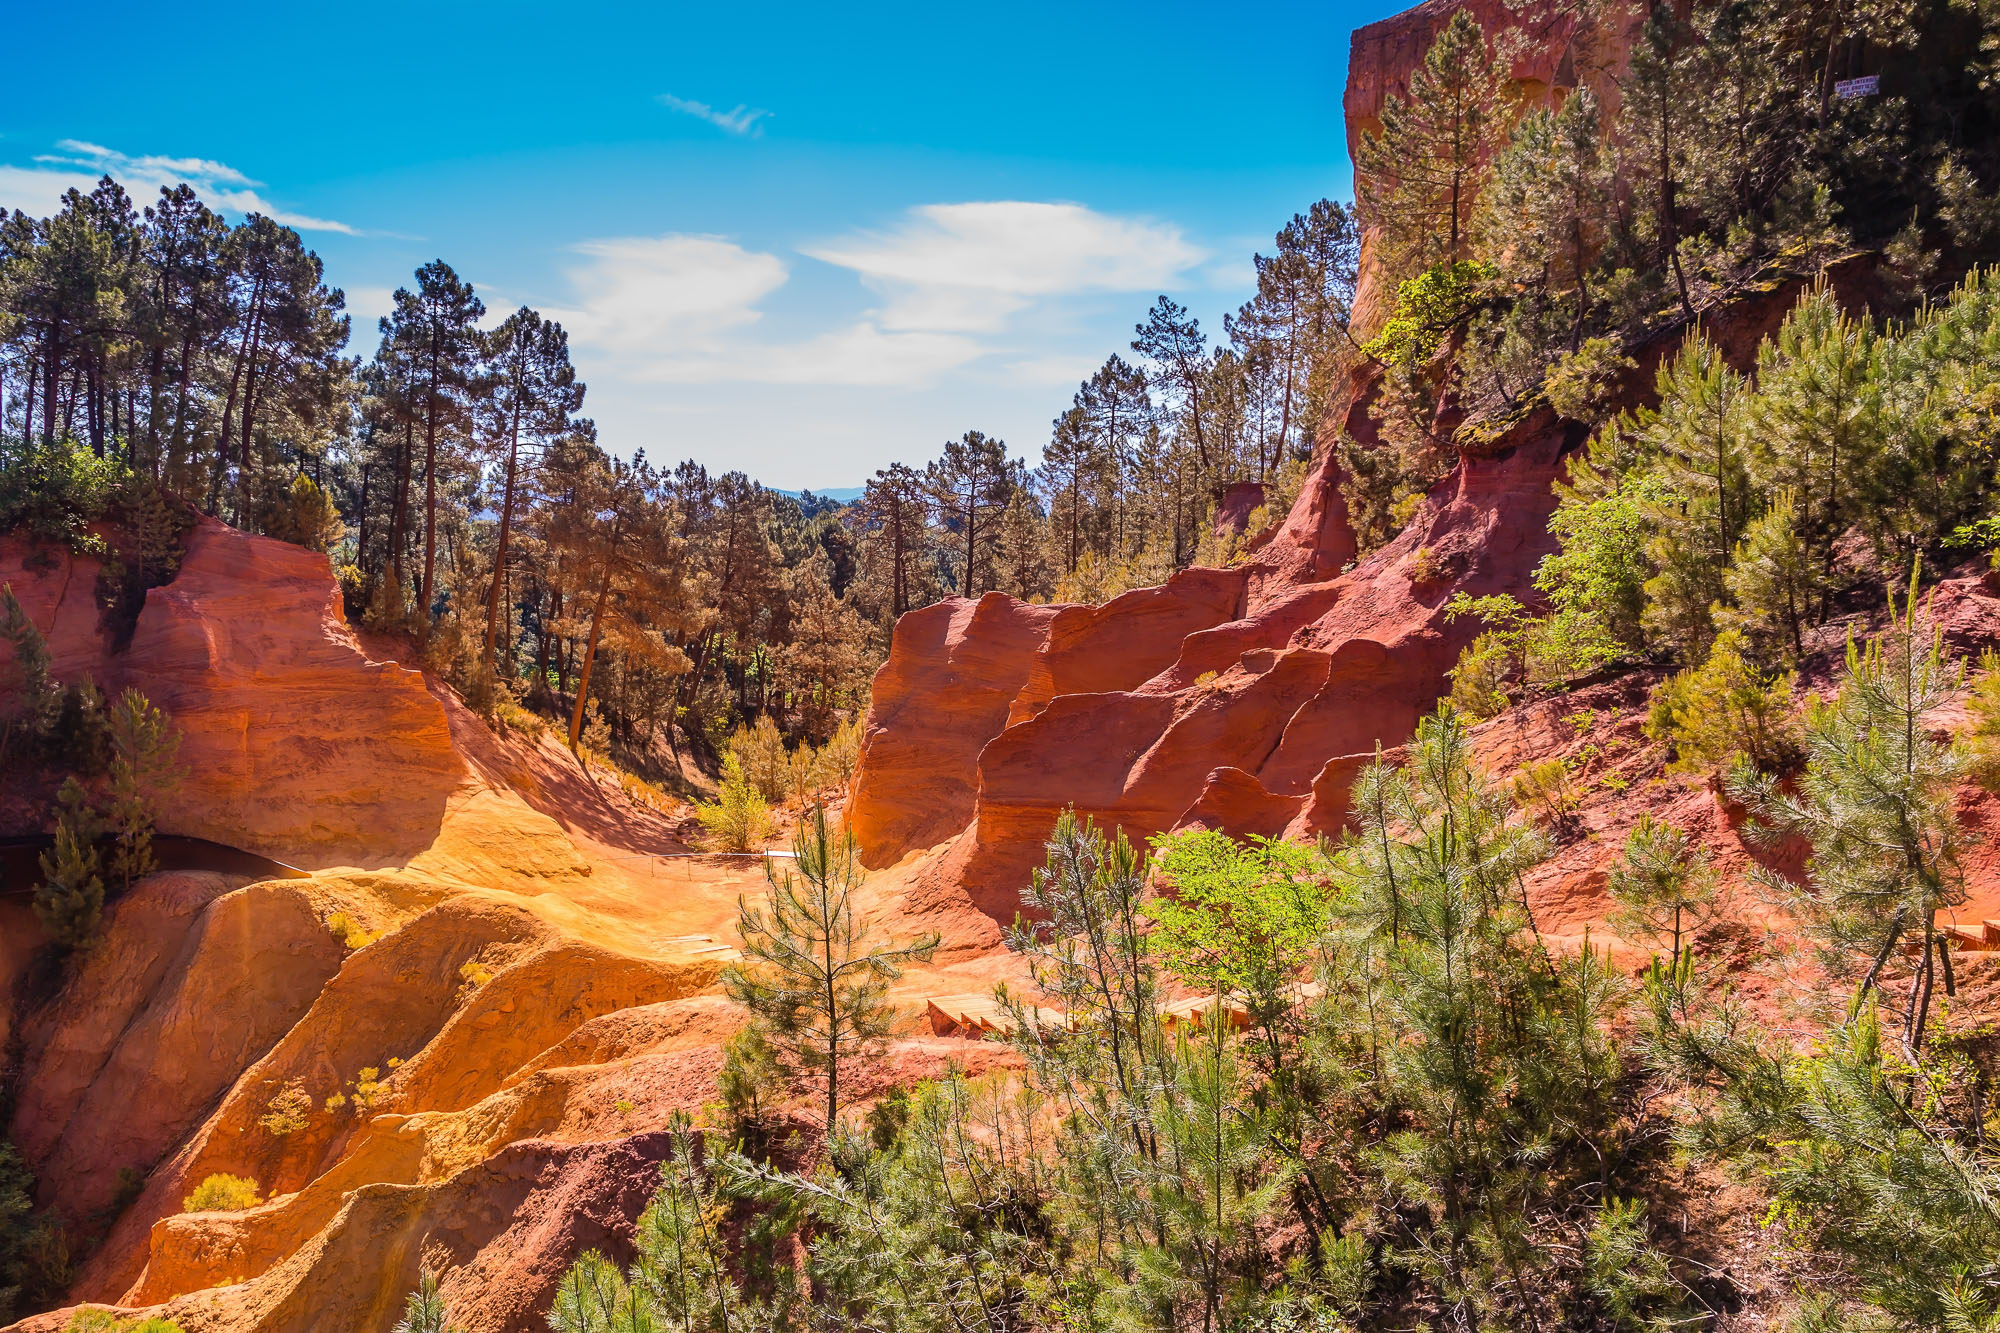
column 468, row 503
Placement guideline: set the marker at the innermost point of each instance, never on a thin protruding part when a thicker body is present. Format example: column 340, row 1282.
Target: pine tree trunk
column 506, row 517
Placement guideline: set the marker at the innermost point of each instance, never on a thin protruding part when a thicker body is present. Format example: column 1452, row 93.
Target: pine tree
column 1549, row 206
column 1817, row 423
column 1483, row 1042
column 535, row 398
column 1424, row 169
column 436, row 337
column 143, row 748
column 1660, row 112
column 1879, row 806
column 809, row 975
column 825, row 665
column 893, row 513
column 1119, row 409
column 1771, row 582
column 1696, row 440
column 426, row 1311
column 1172, row 340
column 36, row 697
column 970, row 482
column 1071, row 464
column 1663, row 883
column 70, row 900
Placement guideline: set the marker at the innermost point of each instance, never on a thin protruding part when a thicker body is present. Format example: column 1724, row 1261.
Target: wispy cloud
column 742, row 120
column 78, row 165
column 971, row 267
column 958, row 284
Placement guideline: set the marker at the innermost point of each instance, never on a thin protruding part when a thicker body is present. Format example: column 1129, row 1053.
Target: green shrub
column 1723, row 708
column 55, row 492
column 1478, row 682
column 222, row 1193
column 760, row 749
column 303, row 515
column 1545, row 790
column 288, row 1111
column 737, row 820
column 103, row 1321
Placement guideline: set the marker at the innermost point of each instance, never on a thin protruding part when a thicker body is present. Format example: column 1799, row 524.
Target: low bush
column 350, row 931
column 737, row 820
column 1478, row 682
column 222, row 1193
column 288, row 1111
column 1711, row 713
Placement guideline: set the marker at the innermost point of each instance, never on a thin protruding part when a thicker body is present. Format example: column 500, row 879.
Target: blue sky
column 804, row 240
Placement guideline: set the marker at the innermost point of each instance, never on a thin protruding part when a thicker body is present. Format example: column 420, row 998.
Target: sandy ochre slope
column 519, row 1115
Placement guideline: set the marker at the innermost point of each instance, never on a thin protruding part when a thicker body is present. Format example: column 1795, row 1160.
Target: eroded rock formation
column 298, row 743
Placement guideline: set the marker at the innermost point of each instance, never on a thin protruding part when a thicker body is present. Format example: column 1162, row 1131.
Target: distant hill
column 839, row 494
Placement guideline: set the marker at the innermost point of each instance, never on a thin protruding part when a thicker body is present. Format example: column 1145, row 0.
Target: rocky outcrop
column 294, row 741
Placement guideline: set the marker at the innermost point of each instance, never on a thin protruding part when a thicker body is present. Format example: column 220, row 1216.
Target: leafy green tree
column 1424, row 170
column 1249, row 924
column 1934, row 471
column 808, row 974
column 1596, row 582
column 737, row 820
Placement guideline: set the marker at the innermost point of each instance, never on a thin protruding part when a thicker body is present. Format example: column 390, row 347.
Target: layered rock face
column 1243, row 699
column 296, row 743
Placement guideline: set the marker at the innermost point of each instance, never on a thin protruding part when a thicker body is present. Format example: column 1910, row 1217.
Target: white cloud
column 969, row 267
column 78, row 165
column 958, row 285
column 664, row 299
column 365, row 306
column 740, row 121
